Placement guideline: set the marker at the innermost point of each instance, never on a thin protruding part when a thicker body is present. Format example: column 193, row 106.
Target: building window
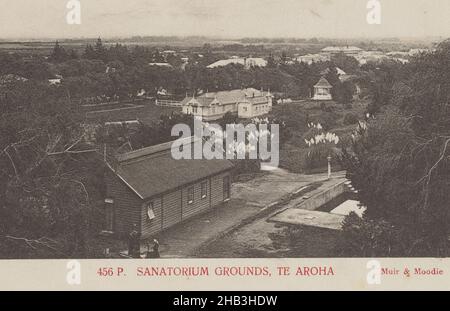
column 190, row 195
column 204, row 186
column 195, row 109
column 109, row 225
column 150, row 211
column 245, row 109
column 226, row 188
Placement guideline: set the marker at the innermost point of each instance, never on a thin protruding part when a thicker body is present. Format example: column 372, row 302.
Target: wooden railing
column 167, row 103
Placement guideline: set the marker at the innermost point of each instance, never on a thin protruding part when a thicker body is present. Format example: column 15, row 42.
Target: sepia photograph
column 224, row 129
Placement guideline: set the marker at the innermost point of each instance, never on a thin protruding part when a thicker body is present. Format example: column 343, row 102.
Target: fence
column 167, row 103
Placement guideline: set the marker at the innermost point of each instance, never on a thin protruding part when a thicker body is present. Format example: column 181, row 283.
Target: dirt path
column 260, row 238
column 251, row 200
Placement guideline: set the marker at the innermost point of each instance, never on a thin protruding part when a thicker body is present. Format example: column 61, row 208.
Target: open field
column 145, row 111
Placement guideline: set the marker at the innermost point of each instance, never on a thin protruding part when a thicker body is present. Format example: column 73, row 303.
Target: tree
column 100, row 51
column 47, row 184
column 59, row 54
column 399, row 162
column 347, row 63
column 89, row 52
column 73, row 54
column 348, row 89
column 271, row 62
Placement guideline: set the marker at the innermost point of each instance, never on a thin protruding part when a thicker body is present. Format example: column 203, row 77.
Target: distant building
column 54, row 81
column 284, row 101
column 397, row 54
column 141, row 93
column 312, row 58
column 110, row 69
column 343, row 76
column 371, row 57
column 339, row 71
column 346, row 50
column 11, row 78
column 150, row 189
column 161, row 65
column 246, row 62
column 401, row 60
column 246, row 103
column 169, row 52
column 322, row 90
column 414, row 52
column 163, row 93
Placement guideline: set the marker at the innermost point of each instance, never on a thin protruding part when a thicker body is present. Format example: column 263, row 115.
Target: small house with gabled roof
column 322, row 90
column 152, row 190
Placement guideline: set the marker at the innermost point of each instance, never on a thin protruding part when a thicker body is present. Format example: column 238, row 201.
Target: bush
column 325, row 107
column 316, row 157
column 328, row 120
column 350, row 119
column 365, row 237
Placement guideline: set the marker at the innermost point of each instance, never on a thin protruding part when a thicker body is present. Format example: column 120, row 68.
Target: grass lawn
column 146, row 111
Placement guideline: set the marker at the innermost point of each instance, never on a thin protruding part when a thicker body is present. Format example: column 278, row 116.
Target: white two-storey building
column 246, row 103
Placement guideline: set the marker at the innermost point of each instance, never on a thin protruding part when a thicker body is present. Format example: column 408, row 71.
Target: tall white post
column 329, row 167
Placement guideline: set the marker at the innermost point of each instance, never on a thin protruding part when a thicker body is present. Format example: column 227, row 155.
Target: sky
column 224, row 18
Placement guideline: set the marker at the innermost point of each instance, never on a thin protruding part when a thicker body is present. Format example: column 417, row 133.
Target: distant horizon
column 219, row 38
column 231, row 19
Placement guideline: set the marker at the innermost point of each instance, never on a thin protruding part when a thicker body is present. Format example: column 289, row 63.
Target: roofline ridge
column 140, row 153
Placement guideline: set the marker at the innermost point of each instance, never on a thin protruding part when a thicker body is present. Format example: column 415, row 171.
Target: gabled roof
column 339, row 71
column 153, row 171
column 234, row 96
column 227, row 97
column 257, row 100
column 323, row 83
column 197, row 101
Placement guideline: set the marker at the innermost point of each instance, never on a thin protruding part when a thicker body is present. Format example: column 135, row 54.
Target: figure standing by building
column 134, row 244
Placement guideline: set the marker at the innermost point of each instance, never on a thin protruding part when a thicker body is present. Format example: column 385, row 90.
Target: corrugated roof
column 199, row 101
column 323, row 83
column 228, row 97
column 251, row 61
column 153, row 171
column 234, row 96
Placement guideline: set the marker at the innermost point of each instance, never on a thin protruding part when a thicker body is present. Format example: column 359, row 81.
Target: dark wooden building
column 150, row 189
